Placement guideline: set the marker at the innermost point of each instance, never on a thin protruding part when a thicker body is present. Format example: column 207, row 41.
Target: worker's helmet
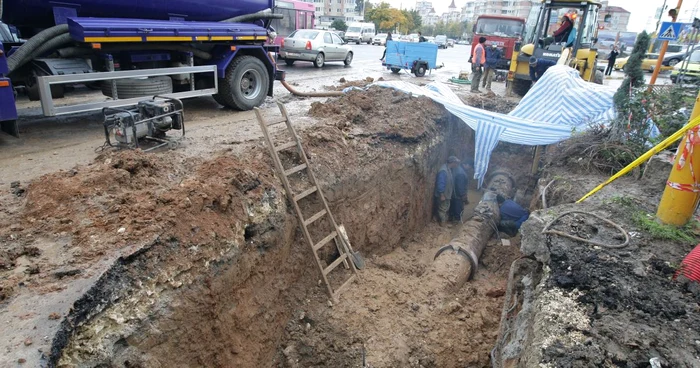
column 533, row 60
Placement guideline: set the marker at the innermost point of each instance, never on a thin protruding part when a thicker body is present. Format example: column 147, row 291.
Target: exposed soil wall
column 212, row 263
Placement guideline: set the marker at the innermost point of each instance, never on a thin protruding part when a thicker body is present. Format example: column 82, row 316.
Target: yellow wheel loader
column 565, row 32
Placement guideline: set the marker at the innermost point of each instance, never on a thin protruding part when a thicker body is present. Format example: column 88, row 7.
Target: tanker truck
column 129, row 49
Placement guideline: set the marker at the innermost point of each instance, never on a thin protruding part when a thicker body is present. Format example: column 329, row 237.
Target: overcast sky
column 641, row 10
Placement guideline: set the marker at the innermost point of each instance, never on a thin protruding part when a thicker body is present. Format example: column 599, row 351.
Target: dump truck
column 580, row 54
column 134, row 48
column 500, row 30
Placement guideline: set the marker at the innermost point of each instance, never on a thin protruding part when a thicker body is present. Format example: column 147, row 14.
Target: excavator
column 570, row 42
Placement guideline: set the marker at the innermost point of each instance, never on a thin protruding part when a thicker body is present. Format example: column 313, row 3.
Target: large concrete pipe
column 475, row 233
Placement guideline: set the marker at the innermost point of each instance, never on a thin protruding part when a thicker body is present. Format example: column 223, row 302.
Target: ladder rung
column 314, row 217
column 305, row 193
column 344, row 286
column 325, row 241
column 285, row 146
column 295, row 169
column 335, row 264
column 277, row 121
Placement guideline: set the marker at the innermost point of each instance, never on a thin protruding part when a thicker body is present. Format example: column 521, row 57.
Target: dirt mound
column 124, row 198
column 355, row 83
column 382, row 112
column 491, row 102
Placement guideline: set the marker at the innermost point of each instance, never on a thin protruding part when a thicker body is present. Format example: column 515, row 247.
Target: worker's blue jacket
column 511, row 211
column 493, row 55
column 539, row 69
column 461, row 181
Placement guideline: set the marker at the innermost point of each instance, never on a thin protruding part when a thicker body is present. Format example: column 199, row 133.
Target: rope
column 574, row 237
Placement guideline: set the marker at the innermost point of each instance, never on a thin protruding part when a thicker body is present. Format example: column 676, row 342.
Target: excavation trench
column 214, row 271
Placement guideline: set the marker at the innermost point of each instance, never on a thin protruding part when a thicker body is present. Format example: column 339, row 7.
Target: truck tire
column 521, row 86
column 139, row 87
column 319, row 60
column 245, row 85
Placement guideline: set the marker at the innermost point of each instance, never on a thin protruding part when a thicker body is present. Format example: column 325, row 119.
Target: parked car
column 340, row 34
column 450, row 42
column 316, row 46
column 648, row 63
column 441, row 41
column 379, row 39
column 690, row 71
column 413, row 37
column 430, row 39
column 463, row 42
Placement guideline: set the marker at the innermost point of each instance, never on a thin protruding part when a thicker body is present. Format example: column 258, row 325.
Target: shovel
column 356, row 257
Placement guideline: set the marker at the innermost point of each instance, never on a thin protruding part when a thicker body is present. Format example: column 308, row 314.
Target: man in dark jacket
column 444, row 189
column 461, row 188
column 421, row 38
column 493, row 56
column 538, row 67
column 386, row 43
column 512, row 215
column 611, row 60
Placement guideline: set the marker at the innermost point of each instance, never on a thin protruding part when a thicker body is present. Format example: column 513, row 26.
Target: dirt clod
column 27, row 342
column 54, row 316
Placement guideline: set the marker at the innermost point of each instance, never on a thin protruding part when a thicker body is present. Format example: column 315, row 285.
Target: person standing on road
column 388, row 38
column 538, row 67
column 444, row 188
column 421, row 38
column 611, row 60
column 493, row 56
column 478, row 61
column 459, row 196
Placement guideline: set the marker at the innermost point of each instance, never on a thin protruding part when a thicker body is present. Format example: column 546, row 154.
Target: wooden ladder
column 344, row 248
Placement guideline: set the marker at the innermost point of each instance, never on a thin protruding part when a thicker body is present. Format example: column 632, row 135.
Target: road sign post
column 668, row 29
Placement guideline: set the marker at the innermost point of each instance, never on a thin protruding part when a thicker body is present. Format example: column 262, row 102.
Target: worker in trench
column 461, row 189
column 444, row 189
column 512, row 215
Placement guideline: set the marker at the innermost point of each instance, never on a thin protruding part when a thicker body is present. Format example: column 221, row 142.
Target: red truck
column 504, row 31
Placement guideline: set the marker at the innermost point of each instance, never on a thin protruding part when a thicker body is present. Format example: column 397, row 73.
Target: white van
column 360, row 32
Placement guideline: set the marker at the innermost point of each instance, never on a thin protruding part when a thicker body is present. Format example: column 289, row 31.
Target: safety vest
column 483, row 55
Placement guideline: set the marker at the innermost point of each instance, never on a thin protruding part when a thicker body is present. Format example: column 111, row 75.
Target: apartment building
column 516, row 8
column 613, row 18
column 329, row 10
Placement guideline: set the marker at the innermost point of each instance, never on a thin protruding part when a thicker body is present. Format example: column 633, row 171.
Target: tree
column 339, row 25
column 417, row 20
column 632, row 123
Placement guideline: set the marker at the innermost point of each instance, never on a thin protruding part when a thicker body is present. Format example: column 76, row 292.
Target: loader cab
column 551, row 39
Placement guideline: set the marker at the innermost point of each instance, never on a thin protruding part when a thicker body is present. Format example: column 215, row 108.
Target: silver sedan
column 316, row 46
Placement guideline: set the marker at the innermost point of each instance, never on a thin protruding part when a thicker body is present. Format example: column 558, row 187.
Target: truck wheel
column 521, row 86
column 289, row 62
column 320, row 60
column 139, row 87
column 395, row 70
column 245, row 85
column 348, row 59
column 420, row 70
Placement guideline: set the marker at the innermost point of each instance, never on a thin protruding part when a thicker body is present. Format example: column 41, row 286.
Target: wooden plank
column 285, row 146
column 281, row 120
column 325, row 241
column 314, row 217
column 305, row 193
column 344, row 286
column 295, row 169
column 335, row 264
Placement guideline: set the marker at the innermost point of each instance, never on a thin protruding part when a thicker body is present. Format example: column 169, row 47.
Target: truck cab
column 573, row 47
column 502, row 31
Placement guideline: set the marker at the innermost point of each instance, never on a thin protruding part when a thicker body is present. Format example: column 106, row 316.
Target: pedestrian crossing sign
column 669, row 31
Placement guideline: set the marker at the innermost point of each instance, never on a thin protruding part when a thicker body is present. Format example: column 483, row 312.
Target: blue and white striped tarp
column 559, row 103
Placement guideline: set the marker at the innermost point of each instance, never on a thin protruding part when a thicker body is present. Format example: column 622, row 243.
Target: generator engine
column 148, row 120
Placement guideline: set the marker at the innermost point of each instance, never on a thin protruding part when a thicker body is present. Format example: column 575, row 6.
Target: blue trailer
column 135, row 48
column 417, row 57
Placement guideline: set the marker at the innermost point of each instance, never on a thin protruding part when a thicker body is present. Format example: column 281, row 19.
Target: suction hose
column 311, row 94
column 265, row 14
column 25, row 52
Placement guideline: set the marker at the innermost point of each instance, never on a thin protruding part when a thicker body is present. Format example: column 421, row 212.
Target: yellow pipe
column 646, row 156
column 677, row 206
